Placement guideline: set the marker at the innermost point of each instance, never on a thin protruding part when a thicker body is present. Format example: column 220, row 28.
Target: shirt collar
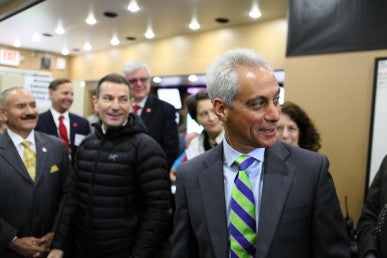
column 56, row 114
column 231, row 154
column 142, row 102
column 17, row 139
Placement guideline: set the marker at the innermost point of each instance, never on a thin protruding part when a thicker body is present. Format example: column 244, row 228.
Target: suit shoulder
column 78, row 118
column 48, row 138
column 282, row 147
column 159, row 102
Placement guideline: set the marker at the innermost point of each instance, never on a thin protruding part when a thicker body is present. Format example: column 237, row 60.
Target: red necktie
column 63, row 133
column 136, row 108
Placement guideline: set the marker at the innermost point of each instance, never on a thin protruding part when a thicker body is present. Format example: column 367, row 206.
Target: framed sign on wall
column 378, row 127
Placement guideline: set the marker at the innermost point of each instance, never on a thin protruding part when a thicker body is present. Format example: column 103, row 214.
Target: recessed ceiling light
column 222, row 20
column 115, row 41
column 133, row 6
column 91, row 19
column 87, row 46
column 59, row 29
column 194, row 25
column 255, row 13
column 65, row 52
column 149, row 34
column 110, row 14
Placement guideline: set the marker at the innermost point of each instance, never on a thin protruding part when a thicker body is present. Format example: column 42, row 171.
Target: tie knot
column 136, row 108
column 61, row 118
column 26, row 144
column 244, row 161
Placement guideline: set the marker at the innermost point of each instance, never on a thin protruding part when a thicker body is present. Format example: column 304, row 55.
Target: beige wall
column 335, row 89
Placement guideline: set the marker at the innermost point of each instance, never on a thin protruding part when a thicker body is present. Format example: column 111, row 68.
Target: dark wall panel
column 329, row 26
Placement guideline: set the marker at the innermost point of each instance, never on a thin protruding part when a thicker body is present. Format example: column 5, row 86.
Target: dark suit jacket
column 376, row 199
column 78, row 125
column 299, row 216
column 160, row 120
column 28, row 208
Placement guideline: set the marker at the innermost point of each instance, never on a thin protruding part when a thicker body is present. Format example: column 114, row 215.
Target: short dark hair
column 112, row 77
column 55, row 83
column 192, row 102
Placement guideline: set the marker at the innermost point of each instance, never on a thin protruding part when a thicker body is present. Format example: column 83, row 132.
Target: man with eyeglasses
column 159, row 116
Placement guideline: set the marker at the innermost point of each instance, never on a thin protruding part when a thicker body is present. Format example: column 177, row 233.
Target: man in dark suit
column 159, row 116
column 29, row 200
column 372, row 225
column 295, row 210
column 61, row 96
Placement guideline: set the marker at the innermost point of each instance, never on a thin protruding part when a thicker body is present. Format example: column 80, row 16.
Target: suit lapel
column 41, row 157
column 147, row 109
column 73, row 124
column 10, row 154
column 276, row 185
column 211, row 183
column 51, row 126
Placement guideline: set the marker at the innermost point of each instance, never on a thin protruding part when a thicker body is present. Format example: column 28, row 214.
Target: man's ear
column 220, row 109
column 95, row 104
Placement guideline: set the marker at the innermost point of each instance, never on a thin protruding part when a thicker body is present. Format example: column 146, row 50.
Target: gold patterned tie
column 29, row 159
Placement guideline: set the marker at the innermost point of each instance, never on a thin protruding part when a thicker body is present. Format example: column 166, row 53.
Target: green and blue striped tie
column 243, row 235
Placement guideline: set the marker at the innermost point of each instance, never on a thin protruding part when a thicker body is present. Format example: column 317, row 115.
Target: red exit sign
column 9, row 57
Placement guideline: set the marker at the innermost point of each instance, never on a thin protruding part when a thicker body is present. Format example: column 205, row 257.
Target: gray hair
column 222, row 78
column 4, row 95
column 132, row 66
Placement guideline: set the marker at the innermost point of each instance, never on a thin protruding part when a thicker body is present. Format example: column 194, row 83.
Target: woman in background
column 201, row 110
column 295, row 127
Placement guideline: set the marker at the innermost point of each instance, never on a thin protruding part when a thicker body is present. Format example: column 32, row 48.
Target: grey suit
column 28, row 208
column 300, row 214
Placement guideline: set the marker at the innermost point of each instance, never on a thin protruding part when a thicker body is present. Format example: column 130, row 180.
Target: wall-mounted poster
column 378, row 127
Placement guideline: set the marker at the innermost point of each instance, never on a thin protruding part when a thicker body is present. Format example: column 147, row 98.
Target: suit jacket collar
column 148, row 108
column 211, row 183
column 9, row 152
column 277, row 182
column 278, row 176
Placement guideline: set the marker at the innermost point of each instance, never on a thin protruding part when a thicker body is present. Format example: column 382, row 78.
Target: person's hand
column 29, row 246
column 46, row 241
column 55, row 253
column 172, row 175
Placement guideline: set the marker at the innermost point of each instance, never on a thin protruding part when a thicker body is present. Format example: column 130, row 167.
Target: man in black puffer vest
column 118, row 202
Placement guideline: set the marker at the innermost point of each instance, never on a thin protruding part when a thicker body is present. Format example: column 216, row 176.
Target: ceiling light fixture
column 255, row 13
column 59, row 29
column 115, row 41
column 192, row 78
column 36, row 37
column 156, row 79
column 65, row 52
column 133, row 6
column 91, row 19
column 87, row 46
column 149, row 33
column 194, row 25
column 16, row 43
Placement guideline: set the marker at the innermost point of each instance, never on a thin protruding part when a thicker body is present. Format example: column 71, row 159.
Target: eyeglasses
column 135, row 80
